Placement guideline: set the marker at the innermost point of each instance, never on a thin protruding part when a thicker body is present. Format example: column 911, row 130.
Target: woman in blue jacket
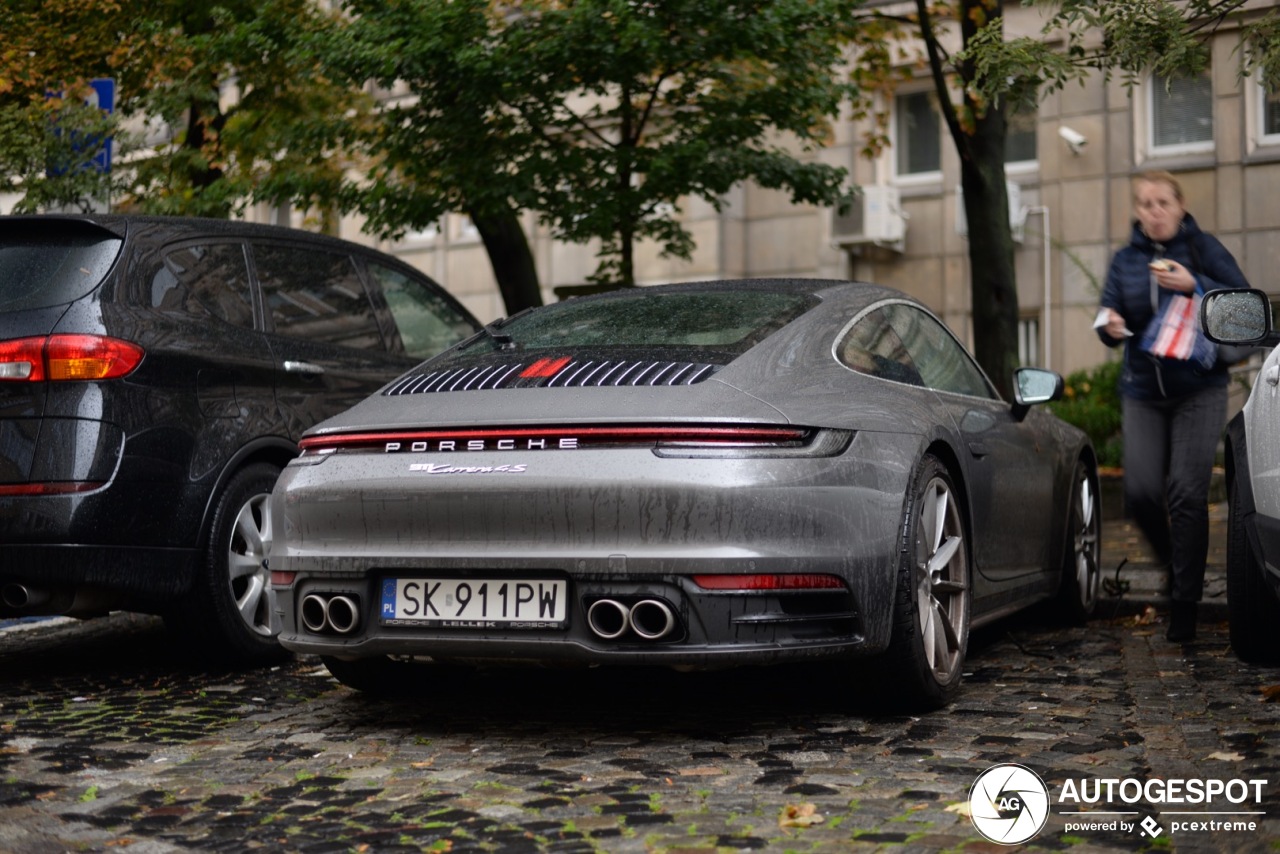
column 1173, row 408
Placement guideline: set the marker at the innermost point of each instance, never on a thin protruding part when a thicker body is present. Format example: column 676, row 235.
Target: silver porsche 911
column 699, row 475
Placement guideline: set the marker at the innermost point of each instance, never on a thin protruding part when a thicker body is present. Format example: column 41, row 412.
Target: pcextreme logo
column 1010, row 804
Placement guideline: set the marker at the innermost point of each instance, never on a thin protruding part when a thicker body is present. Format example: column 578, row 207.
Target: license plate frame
column 474, row 603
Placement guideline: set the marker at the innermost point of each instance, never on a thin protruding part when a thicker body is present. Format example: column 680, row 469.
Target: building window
column 1181, row 114
column 1268, row 113
column 917, row 136
column 1020, row 136
column 1029, row 341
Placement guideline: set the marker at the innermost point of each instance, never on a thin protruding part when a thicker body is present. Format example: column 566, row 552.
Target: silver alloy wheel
column 942, row 580
column 1087, row 545
column 246, row 564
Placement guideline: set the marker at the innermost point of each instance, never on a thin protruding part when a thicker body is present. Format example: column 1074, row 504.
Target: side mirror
column 1032, row 386
column 1236, row 316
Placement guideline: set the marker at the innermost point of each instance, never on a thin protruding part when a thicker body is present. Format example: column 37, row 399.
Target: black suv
column 155, row 376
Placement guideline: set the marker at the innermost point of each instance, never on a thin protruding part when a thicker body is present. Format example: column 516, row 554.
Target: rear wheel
column 923, row 665
column 1251, row 603
column 227, row 614
column 1082, row 563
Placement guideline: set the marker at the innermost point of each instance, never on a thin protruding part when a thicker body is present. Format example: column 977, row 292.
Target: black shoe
column 1182, row 621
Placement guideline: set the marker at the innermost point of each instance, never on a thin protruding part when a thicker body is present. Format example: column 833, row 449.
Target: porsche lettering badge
column 564, row 443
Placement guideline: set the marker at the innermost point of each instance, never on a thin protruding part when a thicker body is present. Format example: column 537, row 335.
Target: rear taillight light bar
column 541, row 438
column 67, row 357
column 769, row 581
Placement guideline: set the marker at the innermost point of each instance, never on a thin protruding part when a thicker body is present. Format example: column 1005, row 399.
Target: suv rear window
column 42, row 266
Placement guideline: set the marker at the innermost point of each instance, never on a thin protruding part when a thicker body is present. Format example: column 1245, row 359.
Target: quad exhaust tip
column 650, row 619
column 327, row 613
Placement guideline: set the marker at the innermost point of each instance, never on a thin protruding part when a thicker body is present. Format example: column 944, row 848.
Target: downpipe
column 30, row 601
column 21, row 596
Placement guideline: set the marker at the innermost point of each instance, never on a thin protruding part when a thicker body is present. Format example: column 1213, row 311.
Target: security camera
column 1074, row 139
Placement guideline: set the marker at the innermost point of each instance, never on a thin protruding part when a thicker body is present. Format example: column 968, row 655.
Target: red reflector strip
column 728, row 435
column 67, row 488
column 769, row 582
column 281, row 578
column 544, row 368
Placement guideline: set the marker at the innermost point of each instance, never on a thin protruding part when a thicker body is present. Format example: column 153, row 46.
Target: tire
column 227, row 615
column 924, row 663
column 1082, row 561
column 1252, row 607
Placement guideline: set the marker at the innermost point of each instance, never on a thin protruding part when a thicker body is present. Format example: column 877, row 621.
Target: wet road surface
column 111, row 741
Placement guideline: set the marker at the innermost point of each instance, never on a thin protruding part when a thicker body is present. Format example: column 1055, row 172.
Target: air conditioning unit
column 874, row 217
column 1017, row 211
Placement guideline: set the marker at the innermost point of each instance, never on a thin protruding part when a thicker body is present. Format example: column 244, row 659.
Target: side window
column 872, row 347
column 315, row 294
column 427, row 321
column 943, row 363
column 205, row 279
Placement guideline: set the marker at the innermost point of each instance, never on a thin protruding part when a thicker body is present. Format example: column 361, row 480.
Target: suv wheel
column 227, row 615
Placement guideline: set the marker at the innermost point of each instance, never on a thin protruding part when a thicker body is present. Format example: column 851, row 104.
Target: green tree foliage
column 602, row 116
column 1091, row 401
column 230, row 81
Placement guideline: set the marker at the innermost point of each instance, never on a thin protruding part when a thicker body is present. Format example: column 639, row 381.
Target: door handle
column 293, row 367
column 1272, row 375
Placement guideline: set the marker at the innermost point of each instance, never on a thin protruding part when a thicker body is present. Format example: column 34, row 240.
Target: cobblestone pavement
column 109, row 742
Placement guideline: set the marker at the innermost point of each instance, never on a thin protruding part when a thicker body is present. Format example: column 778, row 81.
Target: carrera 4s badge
column 445, row 468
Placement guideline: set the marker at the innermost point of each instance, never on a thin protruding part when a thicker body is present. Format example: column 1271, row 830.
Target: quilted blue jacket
column 1128, row 291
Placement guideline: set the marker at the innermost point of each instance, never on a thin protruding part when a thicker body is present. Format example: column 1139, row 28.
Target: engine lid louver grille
column 555, row 373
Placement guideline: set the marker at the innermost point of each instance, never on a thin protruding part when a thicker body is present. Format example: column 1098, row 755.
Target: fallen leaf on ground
column 799, row 815
column 959, row 808
column 1223, row 756
column 1271, row 693
column 1148, row 617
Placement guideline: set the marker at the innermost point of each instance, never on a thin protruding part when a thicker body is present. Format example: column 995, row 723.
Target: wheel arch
column 274, row 450
column 948, row 457
column 1235, row 462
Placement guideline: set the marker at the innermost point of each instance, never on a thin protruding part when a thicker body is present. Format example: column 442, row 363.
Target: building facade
column 1069, row 170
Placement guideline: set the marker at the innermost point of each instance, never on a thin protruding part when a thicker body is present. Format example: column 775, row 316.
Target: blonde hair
column 1159, row 176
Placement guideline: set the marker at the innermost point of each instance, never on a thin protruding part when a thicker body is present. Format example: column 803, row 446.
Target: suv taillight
column 67, row 357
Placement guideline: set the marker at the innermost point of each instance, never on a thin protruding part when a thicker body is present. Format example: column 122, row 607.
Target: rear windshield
column 52, row 263
column 725, row 321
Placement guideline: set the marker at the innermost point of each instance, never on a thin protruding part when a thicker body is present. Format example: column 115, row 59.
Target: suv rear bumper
column 87, row 580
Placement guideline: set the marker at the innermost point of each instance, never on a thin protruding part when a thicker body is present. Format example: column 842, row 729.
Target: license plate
column 477, row 603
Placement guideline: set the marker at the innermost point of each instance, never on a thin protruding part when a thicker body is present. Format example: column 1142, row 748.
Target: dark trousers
column 1169, row 448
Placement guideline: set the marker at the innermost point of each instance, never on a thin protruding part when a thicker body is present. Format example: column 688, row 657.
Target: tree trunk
column 993, row 282
column 511, row 259
column 980, row 142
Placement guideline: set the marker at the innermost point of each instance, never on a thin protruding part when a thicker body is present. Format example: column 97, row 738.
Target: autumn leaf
column 1223, row 756
column 799, row 815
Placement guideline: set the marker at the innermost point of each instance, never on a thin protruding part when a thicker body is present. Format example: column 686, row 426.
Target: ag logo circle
column 1009, row 804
